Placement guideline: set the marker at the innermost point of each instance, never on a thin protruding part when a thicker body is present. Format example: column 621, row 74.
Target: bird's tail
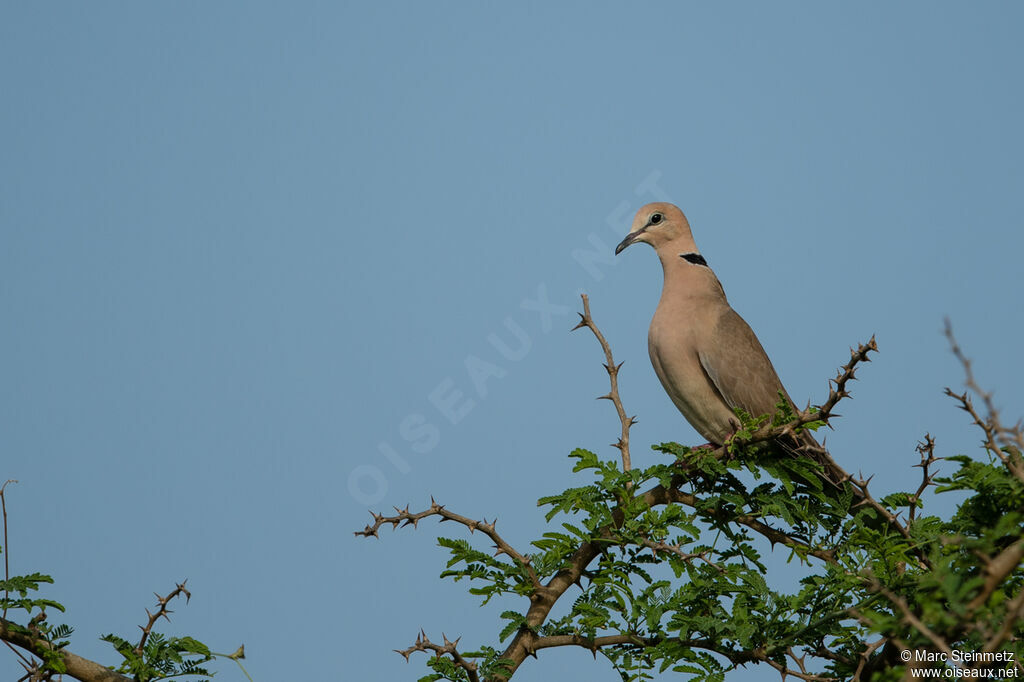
column 804, row 444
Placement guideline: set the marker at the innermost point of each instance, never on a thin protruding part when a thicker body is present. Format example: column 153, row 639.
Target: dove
column 707, row 357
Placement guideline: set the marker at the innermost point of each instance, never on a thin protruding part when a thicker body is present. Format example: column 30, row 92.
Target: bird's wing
column 738, row 366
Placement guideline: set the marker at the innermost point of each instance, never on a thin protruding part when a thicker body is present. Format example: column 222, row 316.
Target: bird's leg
column 735, row 426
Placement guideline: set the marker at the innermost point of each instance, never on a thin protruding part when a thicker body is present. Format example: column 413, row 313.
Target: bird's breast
column 674, row 345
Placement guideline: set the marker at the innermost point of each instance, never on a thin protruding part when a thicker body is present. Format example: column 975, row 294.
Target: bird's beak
column 630, row 238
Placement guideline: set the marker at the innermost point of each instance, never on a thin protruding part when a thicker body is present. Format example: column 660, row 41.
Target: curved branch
column 449, row 648
column 161, row 612
column 997, row 436
column 613, row 377
column 406, row 518
column 77, row 667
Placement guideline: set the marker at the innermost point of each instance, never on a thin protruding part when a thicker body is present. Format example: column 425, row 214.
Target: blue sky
column 244, row 244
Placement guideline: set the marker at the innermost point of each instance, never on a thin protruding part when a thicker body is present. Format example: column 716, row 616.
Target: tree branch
column 1014, row 613
column 449, row 648
column 544, row 595
column 926, row 449
column 613, row 376
column 909, row 617
column 77, row 667
column 660, row 495
column 864, row 657
column 688, row 557
column 997, row 436
column 627, row 639
column 406, row 518
column 161, row 612
column 996, row 571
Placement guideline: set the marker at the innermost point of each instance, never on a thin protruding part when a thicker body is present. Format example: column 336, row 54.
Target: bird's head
column 659, row 224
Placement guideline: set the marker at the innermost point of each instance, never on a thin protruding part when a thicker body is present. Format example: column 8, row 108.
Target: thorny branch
column 1007, row 443
column 83, row 668
column 866, row 499
column 613, row 377
column 926, row 449
column 76, row 666
column 404, row 517
column 545, row 596
column 26, row 638
column 449, row 648
column 161, row 612
column 526, row 642
column 837, row 391
column 661, row 495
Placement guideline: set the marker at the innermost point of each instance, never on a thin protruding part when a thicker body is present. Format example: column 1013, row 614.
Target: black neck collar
column 694, row 258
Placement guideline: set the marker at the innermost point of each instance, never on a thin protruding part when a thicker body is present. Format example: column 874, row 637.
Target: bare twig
column 161, row 612
column 613, row 376
column 846, row 374
column 448, row 648
column 926, row 449
column 404, row 517
column 1007, row 443
column 23, row 660
column 6, row 549
column 991, row 428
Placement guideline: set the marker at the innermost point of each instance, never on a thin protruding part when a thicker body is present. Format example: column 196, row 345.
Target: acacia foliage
column 666, row 568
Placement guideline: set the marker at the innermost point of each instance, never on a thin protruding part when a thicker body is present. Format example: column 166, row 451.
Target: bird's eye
column 656, row 218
